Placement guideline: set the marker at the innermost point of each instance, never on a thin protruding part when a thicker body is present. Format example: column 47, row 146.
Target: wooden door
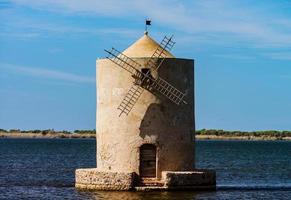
column 148, row 161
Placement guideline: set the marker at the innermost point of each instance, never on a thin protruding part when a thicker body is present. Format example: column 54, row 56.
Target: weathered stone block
column 93, row 179
column 198, row 179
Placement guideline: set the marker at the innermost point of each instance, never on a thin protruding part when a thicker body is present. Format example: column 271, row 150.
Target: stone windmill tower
column 145, row 121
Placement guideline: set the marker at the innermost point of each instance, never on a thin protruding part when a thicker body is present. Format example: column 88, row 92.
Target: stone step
column 149, row 188
column 151, row 182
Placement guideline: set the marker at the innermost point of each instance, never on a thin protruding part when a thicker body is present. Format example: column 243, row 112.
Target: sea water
column 44, row 169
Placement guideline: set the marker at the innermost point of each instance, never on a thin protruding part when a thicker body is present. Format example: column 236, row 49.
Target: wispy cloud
column 109, row 7
column 279, row 55
column 255, row 25
column 234, row 56
column 4, row 4
column 31, row 28
column 47, row 73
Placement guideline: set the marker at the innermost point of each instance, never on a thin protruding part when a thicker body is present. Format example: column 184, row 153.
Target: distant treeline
column 48, row 131
column 270, row 133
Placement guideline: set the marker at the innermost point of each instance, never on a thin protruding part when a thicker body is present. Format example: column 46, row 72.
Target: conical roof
column 144, row 47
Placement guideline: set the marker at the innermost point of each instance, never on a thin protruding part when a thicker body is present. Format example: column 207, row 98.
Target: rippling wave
column 254, row 187
column 44, row 169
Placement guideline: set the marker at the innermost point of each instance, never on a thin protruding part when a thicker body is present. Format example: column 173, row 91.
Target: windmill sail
column 123, row 61
column 169, row 91
column 130, row 99
column 145, row 80
column 131, row 66
column 166, row 45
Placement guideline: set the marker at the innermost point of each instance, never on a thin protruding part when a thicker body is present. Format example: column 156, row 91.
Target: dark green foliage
column 85, row 131
column 269, row 133
column 35, row 131
column 218, row 132
column 65, row 132
column 48, row 131
column 14, row 130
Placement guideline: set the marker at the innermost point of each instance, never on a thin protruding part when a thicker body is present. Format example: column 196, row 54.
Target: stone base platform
column 93, row 179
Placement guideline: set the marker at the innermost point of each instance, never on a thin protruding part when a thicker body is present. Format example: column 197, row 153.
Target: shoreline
column 48, row 135
column 246, row 138
column 88, row 135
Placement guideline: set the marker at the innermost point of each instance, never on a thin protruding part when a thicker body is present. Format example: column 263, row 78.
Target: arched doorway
column 148, row 161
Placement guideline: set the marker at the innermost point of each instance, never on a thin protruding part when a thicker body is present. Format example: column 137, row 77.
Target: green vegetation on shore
column 48, row 131
column 203, row 133
column 268, row 133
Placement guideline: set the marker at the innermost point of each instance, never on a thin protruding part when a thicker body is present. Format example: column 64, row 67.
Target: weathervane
column 147, row 23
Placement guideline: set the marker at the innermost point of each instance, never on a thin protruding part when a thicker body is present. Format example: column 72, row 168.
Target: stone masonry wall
column 197, row 179
column 92, row 179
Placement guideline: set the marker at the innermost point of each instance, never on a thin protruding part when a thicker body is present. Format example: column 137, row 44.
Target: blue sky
column 242, row 52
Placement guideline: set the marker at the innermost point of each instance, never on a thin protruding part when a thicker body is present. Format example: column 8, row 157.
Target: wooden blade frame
column 158, row 84
column 131, row 66
column 160, row 52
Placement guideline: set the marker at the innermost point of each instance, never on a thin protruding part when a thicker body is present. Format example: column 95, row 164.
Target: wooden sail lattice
column 166, row 45
column 169, row 91
column 130, row 99
column 159, row 84
column 123, row 61
column 145, row 80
